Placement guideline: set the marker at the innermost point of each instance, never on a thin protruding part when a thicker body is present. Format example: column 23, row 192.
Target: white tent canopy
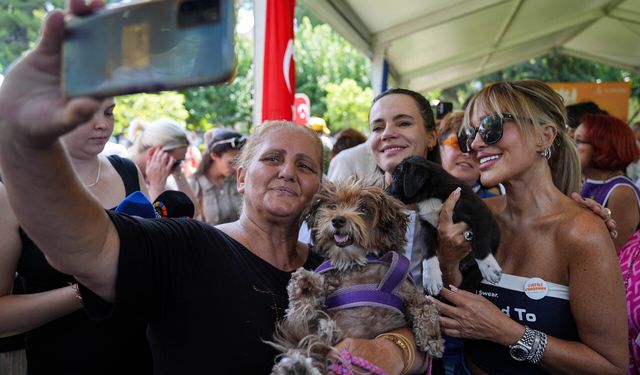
column 433, row 44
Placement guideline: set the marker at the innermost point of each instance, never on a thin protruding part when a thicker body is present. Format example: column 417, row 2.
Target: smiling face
column 89, row 138
column 282, row 175
column 397, row 132
column 458, row 164
column 505, row 159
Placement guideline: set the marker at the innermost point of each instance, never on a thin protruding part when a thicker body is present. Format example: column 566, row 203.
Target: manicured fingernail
column 458, row 189
column 453, row 287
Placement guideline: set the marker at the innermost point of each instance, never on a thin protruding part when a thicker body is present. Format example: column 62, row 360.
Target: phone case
column 149, row 46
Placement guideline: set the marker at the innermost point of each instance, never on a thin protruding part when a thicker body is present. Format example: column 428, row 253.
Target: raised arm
column 49, row 201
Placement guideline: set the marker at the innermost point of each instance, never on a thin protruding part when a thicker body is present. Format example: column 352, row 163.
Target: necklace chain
column 97, row 175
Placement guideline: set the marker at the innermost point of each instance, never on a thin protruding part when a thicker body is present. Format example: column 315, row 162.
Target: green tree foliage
column 348, row 105
column 19, row 25
column 322, row 58
column 553, row 67
column 149, row 107
column 229, row 105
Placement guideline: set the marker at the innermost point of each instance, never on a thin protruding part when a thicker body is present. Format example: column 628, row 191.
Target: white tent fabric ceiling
column 434, row 44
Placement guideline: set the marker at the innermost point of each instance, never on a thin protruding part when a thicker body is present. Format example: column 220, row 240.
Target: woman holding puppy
column 561, row 246
column 198, row 286
column 559, row 306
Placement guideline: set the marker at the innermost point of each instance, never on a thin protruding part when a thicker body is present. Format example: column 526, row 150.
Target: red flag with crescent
column 278, row 87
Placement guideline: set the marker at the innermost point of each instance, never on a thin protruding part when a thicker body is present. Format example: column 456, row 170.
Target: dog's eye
column 332, row 206
column 364, row 210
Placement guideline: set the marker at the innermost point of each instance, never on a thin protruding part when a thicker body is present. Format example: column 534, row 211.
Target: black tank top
column 75, row 344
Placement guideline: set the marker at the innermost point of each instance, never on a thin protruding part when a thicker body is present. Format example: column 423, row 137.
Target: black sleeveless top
column 75, row 344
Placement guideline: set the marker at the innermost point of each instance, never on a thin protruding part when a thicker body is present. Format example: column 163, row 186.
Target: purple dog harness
column 384, row 294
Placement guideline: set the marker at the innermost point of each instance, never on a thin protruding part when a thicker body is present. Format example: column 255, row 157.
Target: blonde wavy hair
column 532, row 99
column 162, row 132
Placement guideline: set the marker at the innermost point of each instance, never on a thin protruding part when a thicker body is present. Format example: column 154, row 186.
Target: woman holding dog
column 402, row 126
column 559, row 306
column 210, row 295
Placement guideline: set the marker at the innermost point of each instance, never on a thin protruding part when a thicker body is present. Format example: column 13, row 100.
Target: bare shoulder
column 582, row 232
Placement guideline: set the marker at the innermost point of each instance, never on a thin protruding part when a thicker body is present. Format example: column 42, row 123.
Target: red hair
column 614, row 145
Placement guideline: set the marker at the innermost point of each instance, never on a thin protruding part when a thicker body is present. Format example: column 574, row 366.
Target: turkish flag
column 276, row 81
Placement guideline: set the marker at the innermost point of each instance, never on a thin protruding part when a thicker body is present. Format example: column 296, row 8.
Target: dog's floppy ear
column 394, row 220
column 327, row 190
column 413, row 180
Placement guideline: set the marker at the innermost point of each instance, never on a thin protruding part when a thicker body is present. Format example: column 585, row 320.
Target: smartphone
column 148, row 46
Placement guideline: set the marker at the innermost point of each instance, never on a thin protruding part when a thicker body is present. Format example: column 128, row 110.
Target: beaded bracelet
column 345, row 367
column 408, row 351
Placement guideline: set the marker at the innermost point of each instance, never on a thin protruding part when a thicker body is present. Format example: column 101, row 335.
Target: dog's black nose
column 338, row 221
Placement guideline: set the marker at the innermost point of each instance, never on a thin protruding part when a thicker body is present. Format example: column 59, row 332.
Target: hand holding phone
column 148, row 46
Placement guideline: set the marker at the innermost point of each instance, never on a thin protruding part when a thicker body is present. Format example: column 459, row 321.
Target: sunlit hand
column 159, row 164
column 472, row 316
column 30, row 98
column 597, row 209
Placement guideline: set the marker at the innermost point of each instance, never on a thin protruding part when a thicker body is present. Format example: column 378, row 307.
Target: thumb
column 52, row 34
column 450, row 203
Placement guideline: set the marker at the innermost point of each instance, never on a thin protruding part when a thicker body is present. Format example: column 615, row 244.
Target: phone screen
column 149, row 46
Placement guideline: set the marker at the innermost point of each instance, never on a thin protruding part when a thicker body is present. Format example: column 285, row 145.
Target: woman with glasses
column 214, row 182
column 606, row 146
column 460, row 164
column 559, row 306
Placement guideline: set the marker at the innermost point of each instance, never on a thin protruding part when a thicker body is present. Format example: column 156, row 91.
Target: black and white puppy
column 417, row 180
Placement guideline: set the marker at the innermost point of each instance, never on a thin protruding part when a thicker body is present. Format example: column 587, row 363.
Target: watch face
column 518, row 352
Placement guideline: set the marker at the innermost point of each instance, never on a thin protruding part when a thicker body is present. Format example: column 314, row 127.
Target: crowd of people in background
column 87, row 290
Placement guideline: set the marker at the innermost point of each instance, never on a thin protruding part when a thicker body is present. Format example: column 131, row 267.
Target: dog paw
column 490, row 269
column 431, row 276
column 294, row 363
column 305, row 284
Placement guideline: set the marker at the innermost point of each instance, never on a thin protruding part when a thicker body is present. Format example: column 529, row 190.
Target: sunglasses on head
column 236, row 143
column 491, row 128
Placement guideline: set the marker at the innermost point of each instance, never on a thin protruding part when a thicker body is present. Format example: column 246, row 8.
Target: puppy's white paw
column 431, row 276
column 490, row 269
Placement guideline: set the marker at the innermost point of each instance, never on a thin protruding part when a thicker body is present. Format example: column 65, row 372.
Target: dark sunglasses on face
column 236, row 143
column 491, row 128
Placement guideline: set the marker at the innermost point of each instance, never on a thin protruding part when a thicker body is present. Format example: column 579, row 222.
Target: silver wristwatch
column 522, row 349
column 530, row 347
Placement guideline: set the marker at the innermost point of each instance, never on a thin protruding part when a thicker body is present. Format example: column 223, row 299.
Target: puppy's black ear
column 413, row 180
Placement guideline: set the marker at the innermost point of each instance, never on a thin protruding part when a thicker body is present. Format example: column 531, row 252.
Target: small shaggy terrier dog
column 359, row 229
column 418, row 180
